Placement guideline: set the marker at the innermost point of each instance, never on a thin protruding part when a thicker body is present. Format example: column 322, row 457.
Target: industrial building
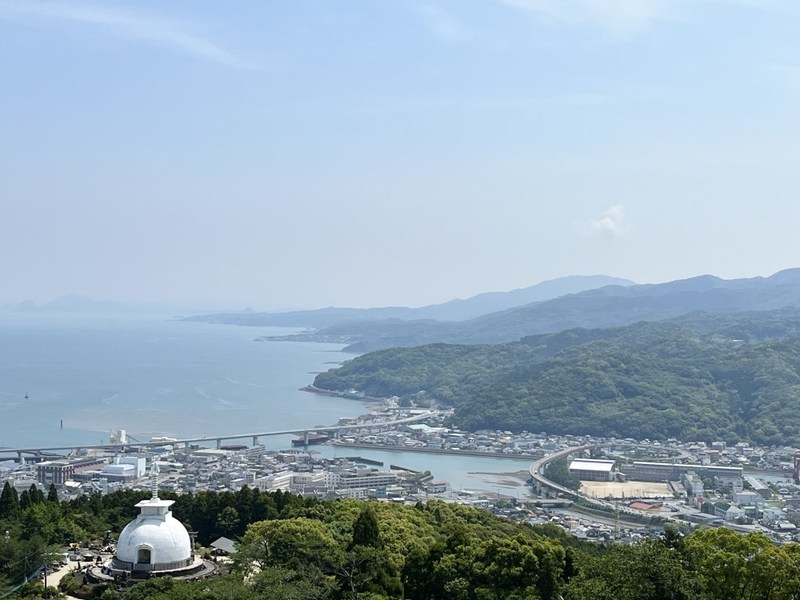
column 654, row 471
column 60, row 471
column 588, row 469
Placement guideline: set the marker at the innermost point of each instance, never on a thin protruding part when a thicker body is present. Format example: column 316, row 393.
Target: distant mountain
column 490, row 302
column 609, row 306
column 82, row 304
column 454, row 310
column 616, row 305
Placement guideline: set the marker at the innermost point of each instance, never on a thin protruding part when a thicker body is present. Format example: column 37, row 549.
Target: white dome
column 155, row 537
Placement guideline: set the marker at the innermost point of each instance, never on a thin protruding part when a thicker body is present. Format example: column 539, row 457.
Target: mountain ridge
column 608, row 306
column 451, row 311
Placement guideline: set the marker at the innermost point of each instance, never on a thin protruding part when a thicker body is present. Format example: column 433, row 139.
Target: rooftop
column 588, row 464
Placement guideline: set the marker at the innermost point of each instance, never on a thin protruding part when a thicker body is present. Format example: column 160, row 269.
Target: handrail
column 25, row 582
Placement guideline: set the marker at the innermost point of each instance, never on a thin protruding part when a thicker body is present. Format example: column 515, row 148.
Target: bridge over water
column 218, row 438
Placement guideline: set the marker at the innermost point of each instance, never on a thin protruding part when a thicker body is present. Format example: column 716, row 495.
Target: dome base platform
column 108, row 572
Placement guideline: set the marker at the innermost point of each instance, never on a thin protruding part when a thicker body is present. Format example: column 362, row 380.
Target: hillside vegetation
column 293, row 548
column 648, row 380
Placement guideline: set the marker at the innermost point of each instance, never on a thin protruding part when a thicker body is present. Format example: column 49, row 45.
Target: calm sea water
column 152, row 375
column 506, row 476
column 157, row 376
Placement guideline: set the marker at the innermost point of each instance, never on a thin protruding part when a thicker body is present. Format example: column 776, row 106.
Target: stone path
column 53, row 579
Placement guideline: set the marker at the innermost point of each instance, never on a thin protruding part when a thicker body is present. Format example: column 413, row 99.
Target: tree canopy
column 304, row 549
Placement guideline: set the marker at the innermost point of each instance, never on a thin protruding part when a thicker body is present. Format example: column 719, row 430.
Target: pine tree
column 35, row 494
column 9, row 501
column 52, row 493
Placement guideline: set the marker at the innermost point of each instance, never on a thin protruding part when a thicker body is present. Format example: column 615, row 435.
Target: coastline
column 385, row 448
column 321, row 392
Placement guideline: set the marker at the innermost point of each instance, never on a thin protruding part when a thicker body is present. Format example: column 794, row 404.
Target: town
column 614, row 488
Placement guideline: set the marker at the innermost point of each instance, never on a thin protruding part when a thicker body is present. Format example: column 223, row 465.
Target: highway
column 218, row 438
column 537, row 468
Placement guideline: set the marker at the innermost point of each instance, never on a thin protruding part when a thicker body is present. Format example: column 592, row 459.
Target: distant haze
column 305, row 154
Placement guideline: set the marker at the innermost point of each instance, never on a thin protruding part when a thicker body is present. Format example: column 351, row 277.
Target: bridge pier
column 255, row 440
column 305, row 438
column 219, row 443
column 186, row 447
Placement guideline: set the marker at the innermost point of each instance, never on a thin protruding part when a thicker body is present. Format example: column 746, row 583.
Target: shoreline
column 321, row 392
column 385, row 448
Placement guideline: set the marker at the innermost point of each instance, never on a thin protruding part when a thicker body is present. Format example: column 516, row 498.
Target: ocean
column 154, row 375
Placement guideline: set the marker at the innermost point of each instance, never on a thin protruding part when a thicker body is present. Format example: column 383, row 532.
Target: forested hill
column 294, row 548
column 647, row 380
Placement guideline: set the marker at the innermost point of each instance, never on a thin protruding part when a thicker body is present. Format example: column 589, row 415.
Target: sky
column 307, row 153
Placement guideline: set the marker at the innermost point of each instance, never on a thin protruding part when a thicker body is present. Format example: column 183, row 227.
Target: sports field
column 629, row 489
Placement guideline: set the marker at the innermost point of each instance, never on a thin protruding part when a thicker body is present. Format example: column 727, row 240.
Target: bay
column 153, row 375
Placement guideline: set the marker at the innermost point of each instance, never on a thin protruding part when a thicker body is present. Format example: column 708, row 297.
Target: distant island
column 82, row 304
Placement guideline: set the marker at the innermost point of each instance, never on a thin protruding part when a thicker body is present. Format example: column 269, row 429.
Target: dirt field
column 630, row 489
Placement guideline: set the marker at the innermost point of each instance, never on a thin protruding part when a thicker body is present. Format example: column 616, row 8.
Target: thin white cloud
column 619, row 17
column 622, row 18
column 442, row 24
column 417, row 104
column 612, row 223
column 129, row 25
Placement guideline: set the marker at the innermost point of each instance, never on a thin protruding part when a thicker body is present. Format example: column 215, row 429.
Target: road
column 536, row 469
column 53, row 579
column 219, row 438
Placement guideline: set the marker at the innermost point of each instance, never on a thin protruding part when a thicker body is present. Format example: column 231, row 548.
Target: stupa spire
column 154, row 480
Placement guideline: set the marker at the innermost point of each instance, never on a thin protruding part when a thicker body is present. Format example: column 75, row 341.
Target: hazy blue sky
column 303, row 153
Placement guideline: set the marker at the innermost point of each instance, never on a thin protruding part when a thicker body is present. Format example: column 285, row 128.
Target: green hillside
column 294, row 548
column 648, row 380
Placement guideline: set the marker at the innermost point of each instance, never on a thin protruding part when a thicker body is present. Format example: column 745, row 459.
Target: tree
column 365, row 530
column 293, row 543
column 25, row 500
column 228, row 520
column 558, row 472
column 730, row 565
column 52, row 493
column 36, row 495
column 649, row 570
column 19, row 557
column 280, row 583
column 9, row 501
